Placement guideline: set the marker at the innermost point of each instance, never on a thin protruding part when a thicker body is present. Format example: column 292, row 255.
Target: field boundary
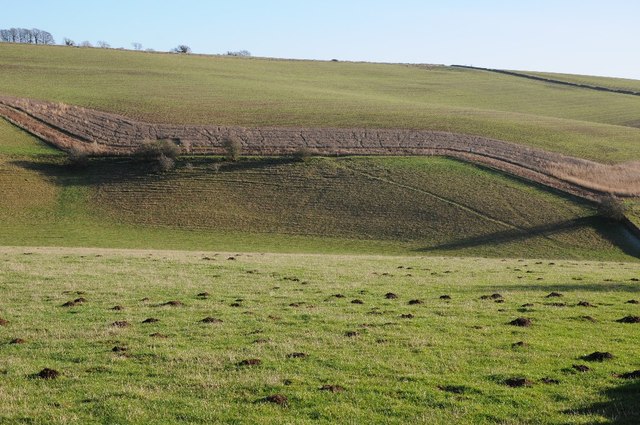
column 550, row 80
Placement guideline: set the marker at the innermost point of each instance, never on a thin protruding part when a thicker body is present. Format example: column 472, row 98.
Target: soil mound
column 521, row 321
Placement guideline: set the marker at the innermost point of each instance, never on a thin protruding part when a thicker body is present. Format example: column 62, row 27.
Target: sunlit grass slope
column 261, row 92
column 434, row 361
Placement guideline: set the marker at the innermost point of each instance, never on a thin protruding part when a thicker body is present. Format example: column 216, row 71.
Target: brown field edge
column 69, row 127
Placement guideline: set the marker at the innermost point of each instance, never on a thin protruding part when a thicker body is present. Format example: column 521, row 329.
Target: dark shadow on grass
column 125, row 169
column 615, row 233
column 621, row 408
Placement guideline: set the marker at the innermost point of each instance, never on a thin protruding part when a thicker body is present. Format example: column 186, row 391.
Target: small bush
column 77, row 158
column 161, row 152
column 152, row 151
column 165, row 163
column 302, row 154
column 612, row 208
column 232, row 148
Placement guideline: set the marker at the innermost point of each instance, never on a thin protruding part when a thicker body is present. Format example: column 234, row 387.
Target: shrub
column 302, row 154
column 612, row 208
column 182, row 48
column 77, row 158
column 153, row 150
column 165, row 163
column 162, row 152
column 232, row 148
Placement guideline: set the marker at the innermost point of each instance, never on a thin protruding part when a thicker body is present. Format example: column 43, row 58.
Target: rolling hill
column 251, row 92
column 379, row 204
column 387, row 205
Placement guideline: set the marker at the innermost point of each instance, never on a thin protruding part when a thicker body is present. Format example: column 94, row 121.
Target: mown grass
column 447, row 364
column 261, row 92
column 340, row 205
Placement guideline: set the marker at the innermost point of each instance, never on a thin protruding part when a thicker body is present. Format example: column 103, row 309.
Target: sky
column 573, row 36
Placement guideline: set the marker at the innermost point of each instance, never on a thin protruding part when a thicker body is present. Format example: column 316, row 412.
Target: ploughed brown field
column 98, row 133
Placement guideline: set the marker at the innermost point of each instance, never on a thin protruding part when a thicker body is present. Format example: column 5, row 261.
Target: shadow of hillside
column 121, row 170
column 621, row 408
column 615, row 233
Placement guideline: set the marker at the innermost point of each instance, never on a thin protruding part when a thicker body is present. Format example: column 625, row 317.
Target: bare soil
column 278, row 399
column 518, row 382
column 250, row 362
column 597, row 356
column 47, row 373
column 629, row 319
column 521, row 321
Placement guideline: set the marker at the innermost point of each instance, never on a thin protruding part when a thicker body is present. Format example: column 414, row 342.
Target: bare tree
column 46, row 38
column 239, row 53
column 182, row 48
column 24, row 35
column 103, row 44
column 86, row 44
column 35, row 36
column 136, row 45
column 15, row 35
column 69, row 42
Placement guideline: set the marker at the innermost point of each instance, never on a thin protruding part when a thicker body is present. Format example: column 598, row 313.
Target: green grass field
column 446, row 363
column 343, row 205
column 342, row 260
column 261, row 92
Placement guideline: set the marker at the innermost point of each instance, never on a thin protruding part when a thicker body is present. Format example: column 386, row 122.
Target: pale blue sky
column 577, row 36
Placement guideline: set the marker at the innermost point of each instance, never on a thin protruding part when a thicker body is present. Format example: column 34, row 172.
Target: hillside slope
column 169, row 88
column 370, row 205
column 75, row 129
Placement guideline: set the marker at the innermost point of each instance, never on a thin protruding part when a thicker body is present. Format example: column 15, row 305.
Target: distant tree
column 232, row 148
column 69, row 42
column 48, row 38
column 136, row 46
column 239, row 53
column 103, row 44
column 15, row 35
column 34, row 35
column 182, row 48
column 24, row 35
column 86, row 44
column 149, row 50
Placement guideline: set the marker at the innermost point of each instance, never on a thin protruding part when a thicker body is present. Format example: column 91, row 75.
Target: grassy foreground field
column 439, row 361
column 253, row 92
column 339, row 205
